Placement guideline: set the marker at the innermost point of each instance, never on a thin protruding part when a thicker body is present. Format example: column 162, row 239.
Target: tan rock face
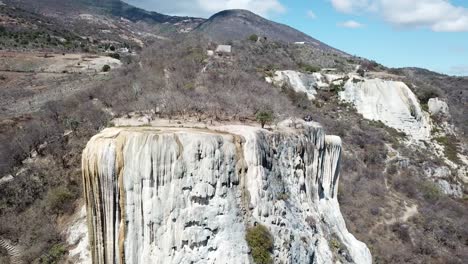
column 179, row 195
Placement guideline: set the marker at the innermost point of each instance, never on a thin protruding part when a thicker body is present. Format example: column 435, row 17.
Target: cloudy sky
column 431, row 34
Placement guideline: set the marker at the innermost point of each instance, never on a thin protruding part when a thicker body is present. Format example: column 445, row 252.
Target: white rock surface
column 180, row 195
column 454, row 190
column 300, row 82
column 441, row 176
column 77, row 238
column 442, row 172
column 224, row 49
column 391, row 102
column 437, row 106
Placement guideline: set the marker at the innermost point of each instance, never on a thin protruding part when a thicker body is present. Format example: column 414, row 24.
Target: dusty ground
column 55, row 63
column 30, row 80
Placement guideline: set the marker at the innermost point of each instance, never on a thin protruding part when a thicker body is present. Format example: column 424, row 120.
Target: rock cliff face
column 179, row 195
column 391, row 102
column 299, row 82
column 438, row 107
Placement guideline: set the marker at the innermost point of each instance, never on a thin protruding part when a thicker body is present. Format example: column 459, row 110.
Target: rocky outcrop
column 180, row 195
column 438, row 107
column 78, row 240
column 299, row 82
column 390, row 102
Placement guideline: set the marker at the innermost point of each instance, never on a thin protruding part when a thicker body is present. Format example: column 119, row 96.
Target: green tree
column 253, row 38
column 264, row 117
column 260, row 242
column 106, row 68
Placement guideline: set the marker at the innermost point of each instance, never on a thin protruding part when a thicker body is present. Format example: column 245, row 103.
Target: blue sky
column 430, row 34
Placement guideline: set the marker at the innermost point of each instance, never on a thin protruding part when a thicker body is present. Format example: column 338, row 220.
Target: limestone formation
column 300, row 82
column 77, row 239
column 438, row 107
column 390, row 102
column 186, row 195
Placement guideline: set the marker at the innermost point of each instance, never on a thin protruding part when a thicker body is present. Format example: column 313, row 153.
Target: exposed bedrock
column 181, row 195
column 391, row 102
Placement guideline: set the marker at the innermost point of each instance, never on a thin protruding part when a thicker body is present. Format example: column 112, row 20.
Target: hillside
column 452, row 87
column 24, row 30
column 107, row 22
column 108, row 7
column 276, row 150
column 240, row 24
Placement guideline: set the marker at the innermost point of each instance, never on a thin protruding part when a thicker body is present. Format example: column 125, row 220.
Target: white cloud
column 351, row 24
column 350, row 6
column 311, row 14
column 437, row 15
column 206, row 8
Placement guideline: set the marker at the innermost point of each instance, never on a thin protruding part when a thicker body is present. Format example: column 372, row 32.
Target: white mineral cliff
column 181, row 195
column 437, row 106
column 300, row 82
column 391, row 102
column 77, row 238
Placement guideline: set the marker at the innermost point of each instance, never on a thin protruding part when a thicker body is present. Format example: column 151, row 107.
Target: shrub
column 298, row 99
column 260, row 242
column 106, row 68
column 72, row 123
column 54, row 255
column 283, row 196
column 426, row 94
column 253, row 38
column 430, row 191
column 264, row 117
column 334, row 243
column 309, row 68
column 450, row 144
column 59, row 199
column 115, row 56
column 361, row 72
column 369, row 66
column 336, row 87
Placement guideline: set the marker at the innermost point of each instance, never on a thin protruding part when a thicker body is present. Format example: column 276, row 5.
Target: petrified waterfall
column 186, row 195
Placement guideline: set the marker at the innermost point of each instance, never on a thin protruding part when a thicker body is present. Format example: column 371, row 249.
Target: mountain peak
column 237, row 24
column 233, row 12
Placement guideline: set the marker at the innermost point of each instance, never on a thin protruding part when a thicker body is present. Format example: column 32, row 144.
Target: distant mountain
column 224, row 26
column 112, row 7
column 240, row 24
column 108, row 21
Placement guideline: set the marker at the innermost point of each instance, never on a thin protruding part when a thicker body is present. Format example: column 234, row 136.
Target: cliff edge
column 186, row 195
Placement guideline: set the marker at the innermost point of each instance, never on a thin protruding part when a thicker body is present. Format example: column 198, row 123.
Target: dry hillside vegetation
column 386, row 201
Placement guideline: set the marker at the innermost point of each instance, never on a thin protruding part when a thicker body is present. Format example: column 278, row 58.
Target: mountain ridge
column 240, row 24
column 113, row 7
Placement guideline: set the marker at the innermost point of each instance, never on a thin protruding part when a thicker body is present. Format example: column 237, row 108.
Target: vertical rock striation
column 299, row 82
column 391, row 102
column 179, row 195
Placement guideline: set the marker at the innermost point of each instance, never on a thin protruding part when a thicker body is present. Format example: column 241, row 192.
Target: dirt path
column 408, row 211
